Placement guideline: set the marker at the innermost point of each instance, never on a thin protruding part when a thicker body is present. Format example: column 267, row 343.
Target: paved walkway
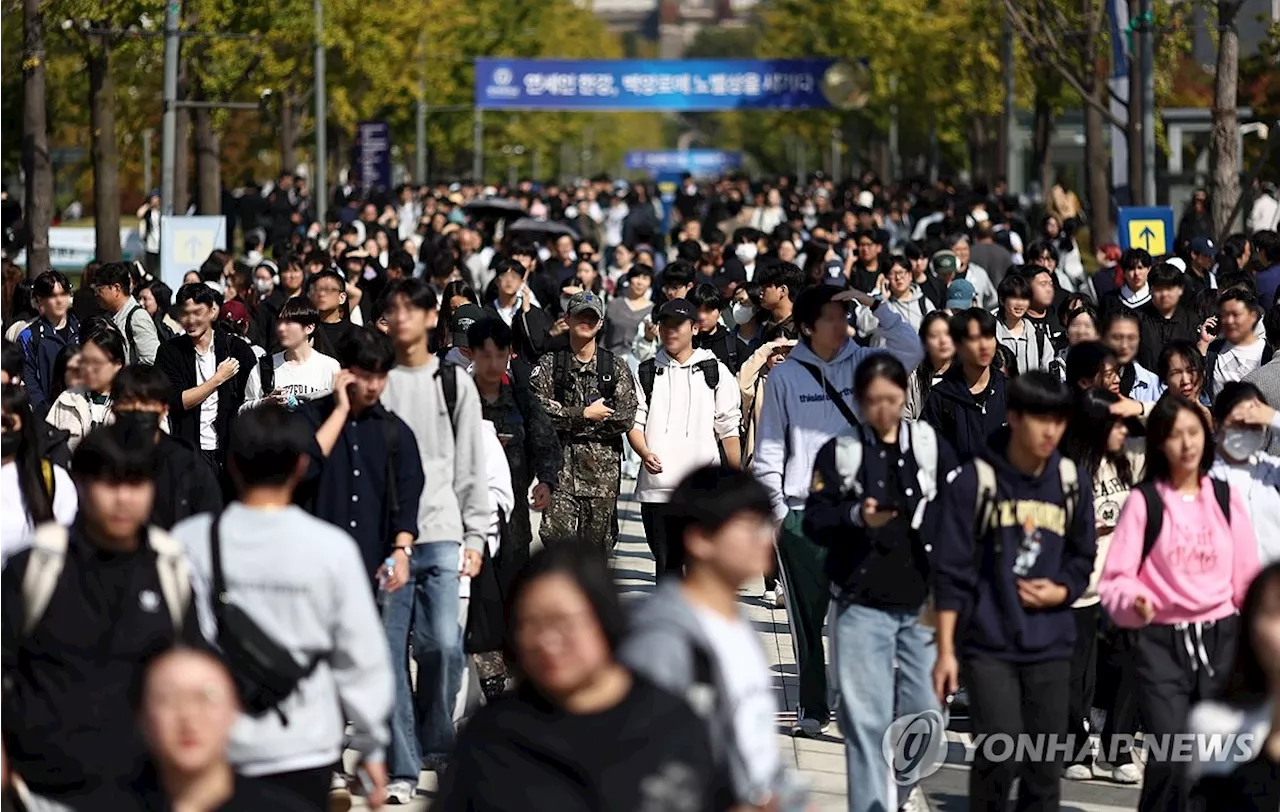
column 820, row 761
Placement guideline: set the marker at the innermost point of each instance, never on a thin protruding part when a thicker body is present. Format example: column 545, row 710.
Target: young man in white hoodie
column 696, row 409
column 808, row 400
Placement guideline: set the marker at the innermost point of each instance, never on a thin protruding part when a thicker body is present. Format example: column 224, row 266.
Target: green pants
column 580, row 519
column 804, row 576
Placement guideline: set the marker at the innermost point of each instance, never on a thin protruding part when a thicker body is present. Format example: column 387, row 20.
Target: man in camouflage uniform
column 591, row 398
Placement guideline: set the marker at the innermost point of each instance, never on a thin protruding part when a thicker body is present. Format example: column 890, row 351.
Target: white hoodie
column 798, row 417
column 688, row 420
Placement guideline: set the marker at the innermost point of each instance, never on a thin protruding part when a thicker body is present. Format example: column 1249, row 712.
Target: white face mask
column 571, row 213
column 1240, row 444
column 743, row 313
column 263, row 285
column 746, row 252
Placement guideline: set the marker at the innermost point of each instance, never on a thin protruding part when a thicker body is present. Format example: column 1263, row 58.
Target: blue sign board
column 1146, row 227
column 373, row 155
column 186, row 242
column 640, row 84
column 695, row 161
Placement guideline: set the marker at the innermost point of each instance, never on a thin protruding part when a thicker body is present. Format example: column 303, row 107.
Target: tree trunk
column 1133, row 130
column 1041, row 136
column 1097, row 169
column 103, row 151
column 38, row 212
column 290, row 121
column 1224, row 139
column 208, row 168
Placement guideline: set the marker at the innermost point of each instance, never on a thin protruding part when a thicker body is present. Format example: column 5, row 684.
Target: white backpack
column 49, row 555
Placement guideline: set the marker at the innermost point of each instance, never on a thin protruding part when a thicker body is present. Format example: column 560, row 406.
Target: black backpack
column 267, row 374
column 1155, row 512
column 265, row 673
column 710, row 369
column 606, row 381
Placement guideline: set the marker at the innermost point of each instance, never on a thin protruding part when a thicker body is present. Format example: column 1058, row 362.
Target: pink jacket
column 1198, row 570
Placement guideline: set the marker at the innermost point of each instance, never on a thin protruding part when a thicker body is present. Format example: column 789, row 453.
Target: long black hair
column 1088, row 433
column 878, row 365
column 925, row 371
column 36, row 496
column 1248, row 685
column 1160, row 427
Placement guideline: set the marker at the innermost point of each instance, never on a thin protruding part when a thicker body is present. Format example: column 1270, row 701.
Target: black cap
column 461, row 322
column 678, row 309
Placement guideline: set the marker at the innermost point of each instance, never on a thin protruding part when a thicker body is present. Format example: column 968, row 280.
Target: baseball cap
column 677, row 309
column 461, row 322
column 1204, row 246
column 235, row 311
column 1178, row 262
column 585, row 301
column 960, row 295
column 944, row 263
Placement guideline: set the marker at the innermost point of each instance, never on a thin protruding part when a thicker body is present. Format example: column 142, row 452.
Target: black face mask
column 9, row 445
column 142, row 422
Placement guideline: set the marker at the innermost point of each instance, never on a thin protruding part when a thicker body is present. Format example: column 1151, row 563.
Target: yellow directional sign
column 1146, row 227
column 1149, row 234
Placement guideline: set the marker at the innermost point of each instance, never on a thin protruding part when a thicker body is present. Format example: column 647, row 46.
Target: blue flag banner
column 373, row 154
column 696, row 161
column 634, row 84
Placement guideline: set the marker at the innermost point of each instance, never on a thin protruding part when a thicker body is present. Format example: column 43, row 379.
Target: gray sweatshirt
column 303, row 582
column 455, row 501
column 141, row 341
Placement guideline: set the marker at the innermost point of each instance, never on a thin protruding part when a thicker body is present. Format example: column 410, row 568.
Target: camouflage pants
column 586, row 519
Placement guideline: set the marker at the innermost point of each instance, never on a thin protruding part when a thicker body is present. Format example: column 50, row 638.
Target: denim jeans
column 427, row 607
column 866, row 643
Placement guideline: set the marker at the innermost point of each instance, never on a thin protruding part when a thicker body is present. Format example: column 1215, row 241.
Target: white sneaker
column 809, row 728
column 916, row 802
column 1078, row 772
column 400, row 792
column 770, row 598
column 1127, row 774
column 780, row 602
column 339, row 793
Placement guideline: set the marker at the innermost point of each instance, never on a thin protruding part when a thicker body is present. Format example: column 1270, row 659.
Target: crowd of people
column 294, row 508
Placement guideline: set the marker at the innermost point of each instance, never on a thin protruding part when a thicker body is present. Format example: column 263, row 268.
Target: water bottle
column 389, row 568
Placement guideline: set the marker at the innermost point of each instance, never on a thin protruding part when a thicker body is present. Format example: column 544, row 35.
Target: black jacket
column 885, row 567
column 177, row 359
column 726, row 347
column 1156, row 332
column 185, row 486
column 958, row 417
column 69, row 728
column 530, row 331
column 262, row 330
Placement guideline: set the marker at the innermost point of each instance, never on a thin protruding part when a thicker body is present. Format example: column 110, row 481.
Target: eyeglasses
column 327, row 289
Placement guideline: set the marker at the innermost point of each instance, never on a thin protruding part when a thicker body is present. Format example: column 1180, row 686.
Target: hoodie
column 689, row 420
column 1198, row 569
column 798, row 417
column 1157, row 332
column 914, row 308
column 978, row 580
column 957, row 415
column 665, row 640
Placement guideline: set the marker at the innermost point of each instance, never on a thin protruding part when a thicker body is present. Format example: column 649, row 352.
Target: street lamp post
column 320, row 185
column 169, row 114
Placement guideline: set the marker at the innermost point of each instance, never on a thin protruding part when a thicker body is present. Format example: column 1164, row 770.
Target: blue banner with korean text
column 696, row 161
column 632, row 84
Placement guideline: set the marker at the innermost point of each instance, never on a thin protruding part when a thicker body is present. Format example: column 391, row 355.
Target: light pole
column 320, row 187
column 1147, row 67
column 169, row 114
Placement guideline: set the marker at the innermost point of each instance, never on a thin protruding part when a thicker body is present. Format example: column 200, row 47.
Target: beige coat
column 70, row 412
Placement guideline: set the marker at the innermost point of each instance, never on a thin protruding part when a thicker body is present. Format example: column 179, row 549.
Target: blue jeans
column 428, row 607
column 866, row 644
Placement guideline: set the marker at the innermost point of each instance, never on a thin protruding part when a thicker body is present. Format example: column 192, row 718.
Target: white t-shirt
column 1235, row 361
column 206, row 368
column 741, row 664
column 306, row 380
column 15, row 523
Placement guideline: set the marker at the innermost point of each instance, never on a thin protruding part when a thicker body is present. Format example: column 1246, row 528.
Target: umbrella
column 545, row 228
column 495, row 207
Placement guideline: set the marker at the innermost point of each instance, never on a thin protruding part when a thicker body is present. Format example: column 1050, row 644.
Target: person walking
column 1015, row 546
column 81, row 409
column 870, row 507
column 1182, row 555
column 33, row 490
column 808, row 400
column 304, row 641
column 55, row 330
column 590, row 395
column 112, row 284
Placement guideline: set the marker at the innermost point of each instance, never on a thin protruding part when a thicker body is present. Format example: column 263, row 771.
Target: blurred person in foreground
column 582, row 732
column 187, row 707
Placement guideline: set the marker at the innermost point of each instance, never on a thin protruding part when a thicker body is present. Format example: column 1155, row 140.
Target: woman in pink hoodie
column 1181, row 559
